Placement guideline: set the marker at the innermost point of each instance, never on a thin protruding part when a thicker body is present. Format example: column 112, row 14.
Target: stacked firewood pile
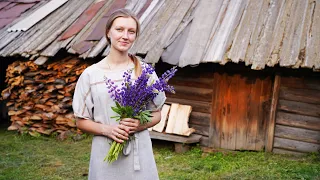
column 39, row 98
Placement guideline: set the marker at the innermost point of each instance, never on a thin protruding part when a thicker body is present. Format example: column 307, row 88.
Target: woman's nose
column 125, row 35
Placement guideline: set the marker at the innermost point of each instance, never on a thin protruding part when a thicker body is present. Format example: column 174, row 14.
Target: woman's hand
column 132, row 124
column 118, row 133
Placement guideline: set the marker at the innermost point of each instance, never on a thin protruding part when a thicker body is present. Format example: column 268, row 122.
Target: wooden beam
column 298, row 134
column 299, row 108
column 193, row 138
column 273, row 110
column 299, row 121
column 294, row 145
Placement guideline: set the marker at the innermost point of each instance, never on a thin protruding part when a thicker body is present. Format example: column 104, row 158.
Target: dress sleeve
column 159, row 100
column 82, row 103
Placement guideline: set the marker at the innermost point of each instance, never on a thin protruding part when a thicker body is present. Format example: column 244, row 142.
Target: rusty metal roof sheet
column 10, row 10
column 85, row 17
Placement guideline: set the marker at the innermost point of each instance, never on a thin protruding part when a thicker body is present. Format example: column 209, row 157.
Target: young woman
column 92, row 107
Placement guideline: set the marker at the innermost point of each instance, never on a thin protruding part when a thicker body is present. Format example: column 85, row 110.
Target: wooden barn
column 249, row 69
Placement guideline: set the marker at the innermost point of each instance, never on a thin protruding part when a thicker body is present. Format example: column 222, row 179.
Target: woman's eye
column 132, row 32
column 119, row 30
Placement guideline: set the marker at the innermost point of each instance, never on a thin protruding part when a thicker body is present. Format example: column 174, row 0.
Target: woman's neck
column 117, row 57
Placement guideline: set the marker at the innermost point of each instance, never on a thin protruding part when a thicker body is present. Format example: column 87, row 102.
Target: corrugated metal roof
column 183, row 32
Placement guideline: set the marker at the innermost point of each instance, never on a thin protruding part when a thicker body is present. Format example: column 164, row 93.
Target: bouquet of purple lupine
column 132, row 98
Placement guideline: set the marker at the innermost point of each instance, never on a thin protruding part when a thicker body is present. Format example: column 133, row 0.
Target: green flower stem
column 114, row 151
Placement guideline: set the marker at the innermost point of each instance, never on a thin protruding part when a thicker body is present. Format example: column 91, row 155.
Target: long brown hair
column 125, row 13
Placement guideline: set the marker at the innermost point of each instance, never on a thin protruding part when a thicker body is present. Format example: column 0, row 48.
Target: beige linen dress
column 92, row 101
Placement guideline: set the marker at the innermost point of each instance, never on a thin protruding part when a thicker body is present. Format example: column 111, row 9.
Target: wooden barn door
column 239, row 118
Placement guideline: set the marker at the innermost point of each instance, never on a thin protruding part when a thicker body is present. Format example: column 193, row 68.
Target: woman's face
column 123, row 33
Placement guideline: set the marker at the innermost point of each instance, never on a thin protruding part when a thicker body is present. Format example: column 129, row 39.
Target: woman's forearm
column 118, row 133
column 92, row 127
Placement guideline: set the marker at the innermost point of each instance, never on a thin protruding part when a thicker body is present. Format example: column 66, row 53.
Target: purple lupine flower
column 137, row 94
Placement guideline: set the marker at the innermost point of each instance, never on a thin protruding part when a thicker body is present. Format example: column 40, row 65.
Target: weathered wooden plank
column 292, row 35
column 135, row 5
column 272, row 116
column 312, row 56
column 255, row 117
column 300, row 95
column 199, row 34
column 19, row 45
column 36, row 16
column 184, row 26
column 6, row 40
column 264, row 112
column 99, row 30
column 148, row 23
column 199, row 118
column 279, row 31
column 155, row 28
column 98, row 48
column 294, row 145
column 83, row 46
column 303, row 41
column 44, row 29
column 256, row 35
column 283, row 151
column 203, row 130
column 62, row 27
column 88, row 28
column 151, row 11
column 303, row 83
column 215, row 124
column 296, row 120
column 241, row 115
column 244, row 31
column 4, row 32
column 262, row 52
column 157, row 48
column 223, row 31
column 144, row 8
column 224, row 111
column 300, row 108
column 192, row 93
column 193, row 138
column 197, row 106
column 84, row 18
column 192, row 82
column 235, row 112
column 164, row 116
column 298, row 134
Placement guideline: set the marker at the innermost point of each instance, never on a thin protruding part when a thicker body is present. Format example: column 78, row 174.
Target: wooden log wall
column 39, row 98
column 194, row 89
column 297, row 128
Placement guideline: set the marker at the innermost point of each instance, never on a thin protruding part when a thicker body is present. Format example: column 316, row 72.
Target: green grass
column 25, row 157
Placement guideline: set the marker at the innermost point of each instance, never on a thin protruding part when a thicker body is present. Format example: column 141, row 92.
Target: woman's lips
column 124, row 43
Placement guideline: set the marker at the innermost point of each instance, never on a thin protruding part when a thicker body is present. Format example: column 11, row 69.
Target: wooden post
column 273, row 110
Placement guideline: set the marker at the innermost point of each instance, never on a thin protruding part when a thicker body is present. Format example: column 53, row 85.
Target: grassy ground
column 25, row 157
